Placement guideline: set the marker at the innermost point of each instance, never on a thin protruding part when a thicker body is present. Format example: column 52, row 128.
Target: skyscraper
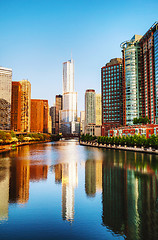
column 37, row 115
column 16, row 107
column 25, row 105
column 90, row 107
column 5, row 98
column 53, row 115
column 59, row 107
column 98, row 110
column 140, row 76
column 132, row 79
column 69, row 112
column 111, row 78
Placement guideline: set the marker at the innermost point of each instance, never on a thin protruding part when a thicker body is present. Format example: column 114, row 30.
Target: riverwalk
column 9, row 147
column 119, row 147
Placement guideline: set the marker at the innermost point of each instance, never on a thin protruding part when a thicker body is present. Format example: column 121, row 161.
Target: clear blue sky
column 37, row 36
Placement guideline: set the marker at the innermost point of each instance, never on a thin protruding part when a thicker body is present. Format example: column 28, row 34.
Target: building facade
column 98, row 110
column 37, row 115
column 82, row 122
column 25, row 105
column 140, row 77
column 45, row 116
column 68, row 114
column 90, row 107
column 112, row 102
column 16, row 107
column 59, row 107
column 5, row 98
column 132, row 79
column 52, row 114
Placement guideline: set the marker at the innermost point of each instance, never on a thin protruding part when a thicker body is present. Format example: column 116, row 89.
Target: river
column 62, row 190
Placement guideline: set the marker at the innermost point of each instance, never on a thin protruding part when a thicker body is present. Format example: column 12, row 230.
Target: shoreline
column 13, row 146
column 123, row 148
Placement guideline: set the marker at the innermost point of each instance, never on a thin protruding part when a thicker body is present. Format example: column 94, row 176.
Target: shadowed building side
column 16, row 107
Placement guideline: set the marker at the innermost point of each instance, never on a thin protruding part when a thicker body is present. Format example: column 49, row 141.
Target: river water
column 63, row 190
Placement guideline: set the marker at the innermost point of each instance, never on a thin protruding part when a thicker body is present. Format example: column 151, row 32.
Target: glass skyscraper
column 131, row 52
column 68, row 114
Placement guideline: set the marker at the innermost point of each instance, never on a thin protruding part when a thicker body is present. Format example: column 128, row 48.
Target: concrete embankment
column 124, row 148
column 9, row 147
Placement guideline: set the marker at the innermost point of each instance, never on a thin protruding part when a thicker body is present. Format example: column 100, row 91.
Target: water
column 66, row 191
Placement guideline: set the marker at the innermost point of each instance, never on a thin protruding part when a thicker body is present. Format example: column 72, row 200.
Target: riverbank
column 124, row 148
column 9, row 147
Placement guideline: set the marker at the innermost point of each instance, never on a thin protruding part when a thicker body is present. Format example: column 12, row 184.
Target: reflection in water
column 127, row 183
column 4, row 188
column 129, row 195
column 66, row 173
column 93, row 173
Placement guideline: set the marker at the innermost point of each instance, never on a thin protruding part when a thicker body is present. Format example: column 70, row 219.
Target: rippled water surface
column 66, row 191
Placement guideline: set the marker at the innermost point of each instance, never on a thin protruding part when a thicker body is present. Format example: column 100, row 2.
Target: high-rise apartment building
column 25, row 105
column 98, row 110
column 5, row 98
column 37, row 115
column 149, row 47
column 59, row 107
column 111, row 83
column 53, row 114
column 45, row 116
column 82, row 122
column 69, row 112
column 132, row 104
column 140, row 76
column 90, row 107
column 16, row 107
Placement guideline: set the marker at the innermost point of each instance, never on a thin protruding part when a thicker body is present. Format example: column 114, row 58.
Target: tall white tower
column 69, row 113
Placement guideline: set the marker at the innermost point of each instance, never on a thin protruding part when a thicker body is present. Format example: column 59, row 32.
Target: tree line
column 11, row 137
column 130, row 141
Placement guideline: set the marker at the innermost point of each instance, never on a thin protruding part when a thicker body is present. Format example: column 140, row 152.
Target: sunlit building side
column 25, row 105
column 68, row 115
column 37, row 115
column 5, row 98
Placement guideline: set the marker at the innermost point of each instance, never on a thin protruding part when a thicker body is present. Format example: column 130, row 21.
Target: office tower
column 37, row 114
column 5, row 98
column 59, row 107
column 25, row 105
column 98, row 109
column 82, row 122
column 131, row 80
column 49, row 121
column 69, row 112
column 111, row 81
column 52, row 114
column 90, row 107
column 149, row 47
column 45, row 116
column 16, row 107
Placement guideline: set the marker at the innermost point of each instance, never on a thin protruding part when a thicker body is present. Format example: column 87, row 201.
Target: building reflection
column 38, row 172
column 4, row 188
column 19, row 176
column 66, row 174
column 130, row 193
column 24, row 169
column 93, row 173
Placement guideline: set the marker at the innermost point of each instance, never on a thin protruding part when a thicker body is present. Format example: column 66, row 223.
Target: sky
column 37, row 36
